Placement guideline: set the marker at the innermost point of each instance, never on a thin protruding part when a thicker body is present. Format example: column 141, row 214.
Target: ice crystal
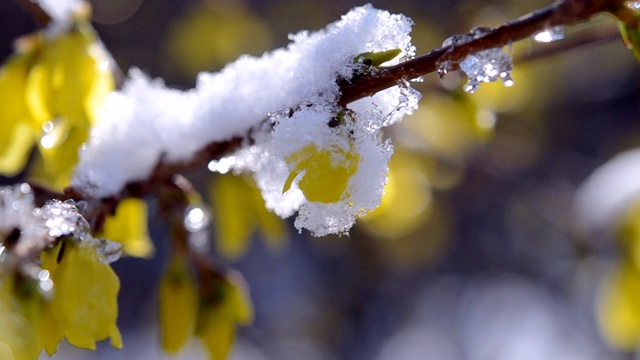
column 25, row 230
column 487, row 66
column 458, row 40
column 551, row 34
column 19, row 228
column 62, row 218
column 107, row 251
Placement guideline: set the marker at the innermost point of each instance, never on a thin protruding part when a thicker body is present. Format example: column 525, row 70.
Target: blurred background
column 475, row 252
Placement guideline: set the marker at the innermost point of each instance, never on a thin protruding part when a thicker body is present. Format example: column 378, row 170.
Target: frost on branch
column 25, row 229
column 296, row 88
column 483, row 66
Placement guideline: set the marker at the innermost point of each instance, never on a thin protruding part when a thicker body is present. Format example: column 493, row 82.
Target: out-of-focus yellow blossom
column 325, row 172
column 406, row 202
column 213, row 33
column 18, row 338
column 49, row 94
column 463, row 131
column 238, row 210
column 221, row 309
column 619, row 307
column 85, row 295
column 129, row 227
column 493, row 97
column 16, row 137
column 178, row 303
column 50, row 327
column 628, row 233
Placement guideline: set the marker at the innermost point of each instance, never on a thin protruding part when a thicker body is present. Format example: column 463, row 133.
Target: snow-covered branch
column 149, row 133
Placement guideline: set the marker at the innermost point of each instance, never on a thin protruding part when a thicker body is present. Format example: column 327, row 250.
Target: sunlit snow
column 294, row 87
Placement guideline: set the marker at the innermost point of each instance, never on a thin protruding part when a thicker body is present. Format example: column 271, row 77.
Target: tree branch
column 36, row 12
column 561, row 13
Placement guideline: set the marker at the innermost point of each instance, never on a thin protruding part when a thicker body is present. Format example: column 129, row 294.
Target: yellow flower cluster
column 74, row 296
column 49, row 92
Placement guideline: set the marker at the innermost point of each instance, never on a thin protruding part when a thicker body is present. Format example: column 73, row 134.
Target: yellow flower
column 18, row 338
column 619, row 308
column 16, row 137
column 225, row 305
column 85, row 295
column 49, row 95
column 325, row 172
column 238, row 209
column 129, row 227
column 178, row 302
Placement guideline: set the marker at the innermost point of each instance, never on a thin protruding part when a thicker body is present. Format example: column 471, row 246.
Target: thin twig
column 559, row 14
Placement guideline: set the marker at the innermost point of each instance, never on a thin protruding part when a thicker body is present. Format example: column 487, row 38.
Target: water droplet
column 634, row 5
column 550, row 34
column 44, row 281
column 108, row 251
column 196, row 218
column 52, row 134
column 25, row 188
column 506, row 79
column 47, row 127
column 223, row 165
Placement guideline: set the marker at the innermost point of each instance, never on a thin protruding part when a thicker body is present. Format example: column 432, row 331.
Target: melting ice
column 487, row 66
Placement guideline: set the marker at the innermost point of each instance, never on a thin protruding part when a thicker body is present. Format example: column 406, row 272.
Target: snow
column 61, row 13
column 146, row 122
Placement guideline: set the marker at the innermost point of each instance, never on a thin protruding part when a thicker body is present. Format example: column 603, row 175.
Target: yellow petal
column 16, row 137
column 218, row 338
column 18, row 339
column 178, row 302
column 326, row 171
column 69, row 79
column 86, row 292
column 129, row 227
column 50, row 328
column 234, row 216
column 619, row 308
column 272, row 227
column 628, row 232
column 217, row 320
